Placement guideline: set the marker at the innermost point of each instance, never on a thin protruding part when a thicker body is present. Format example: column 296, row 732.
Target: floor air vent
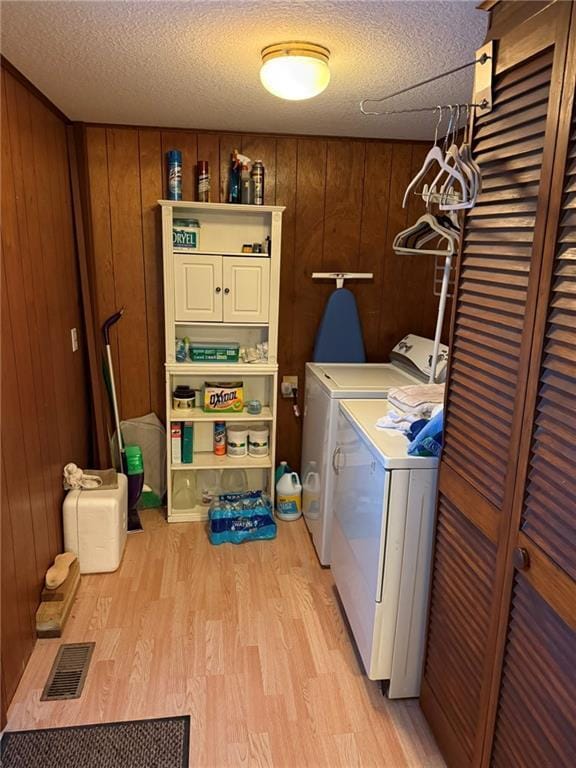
column 68, row 673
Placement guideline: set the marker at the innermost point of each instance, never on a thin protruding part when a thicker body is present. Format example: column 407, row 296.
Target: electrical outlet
column 74, row 337
column 288, row 385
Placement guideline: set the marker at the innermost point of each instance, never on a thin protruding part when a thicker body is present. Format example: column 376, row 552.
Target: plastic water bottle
column 311, row 492
column 289, row 497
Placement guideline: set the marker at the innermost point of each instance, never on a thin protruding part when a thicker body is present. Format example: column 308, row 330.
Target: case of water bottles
column 238, row 517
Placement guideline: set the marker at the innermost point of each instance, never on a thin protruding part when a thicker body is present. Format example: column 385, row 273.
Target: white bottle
column 311, row 492
column 289, row 497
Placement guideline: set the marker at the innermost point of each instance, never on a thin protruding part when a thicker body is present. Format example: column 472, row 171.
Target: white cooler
column 95, row 526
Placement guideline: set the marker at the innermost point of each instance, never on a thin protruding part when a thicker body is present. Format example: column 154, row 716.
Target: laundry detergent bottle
column 289, row 497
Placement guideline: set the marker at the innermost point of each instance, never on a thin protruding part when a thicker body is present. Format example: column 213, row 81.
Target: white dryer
column 326, row 385
column 382, row 544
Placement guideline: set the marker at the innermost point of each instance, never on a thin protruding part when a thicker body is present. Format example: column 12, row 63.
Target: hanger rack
column 483, row 103
column 340, row 277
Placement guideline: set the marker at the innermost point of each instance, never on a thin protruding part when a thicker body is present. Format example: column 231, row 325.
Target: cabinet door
column 246, row 283
column 197, row 288
column 492, row 331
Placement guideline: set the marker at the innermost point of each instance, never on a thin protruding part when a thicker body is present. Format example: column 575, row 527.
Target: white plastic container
column 259, row 440
column 95, row 526
column 311, row 489
column 236, row 440
column 184, row 495
column 289, row 497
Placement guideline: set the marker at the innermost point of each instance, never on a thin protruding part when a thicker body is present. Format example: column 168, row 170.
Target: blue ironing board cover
column 339, row 338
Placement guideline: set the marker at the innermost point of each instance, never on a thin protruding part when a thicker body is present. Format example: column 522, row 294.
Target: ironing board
column 339, row 338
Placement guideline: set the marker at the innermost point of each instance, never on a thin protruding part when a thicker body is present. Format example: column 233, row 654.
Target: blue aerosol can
column 174, row 160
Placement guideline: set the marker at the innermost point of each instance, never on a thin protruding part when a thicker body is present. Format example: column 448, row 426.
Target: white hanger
column 435, row 155
column 454, row 168
column 427, row 219
column 462, row 159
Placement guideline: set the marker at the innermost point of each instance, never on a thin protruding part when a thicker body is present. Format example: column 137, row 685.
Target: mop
column 135, row 478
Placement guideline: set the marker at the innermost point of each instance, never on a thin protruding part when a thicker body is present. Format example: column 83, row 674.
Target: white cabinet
column 198, row 288
column 246, row 284
column 219, row 294
column 232, row 289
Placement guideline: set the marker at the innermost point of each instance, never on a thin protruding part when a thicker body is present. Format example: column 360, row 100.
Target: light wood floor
column 249, row 640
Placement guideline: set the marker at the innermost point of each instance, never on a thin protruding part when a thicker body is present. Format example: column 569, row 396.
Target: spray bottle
column 236, row 162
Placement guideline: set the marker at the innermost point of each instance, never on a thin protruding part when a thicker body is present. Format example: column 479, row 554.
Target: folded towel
column 417, row 396
column 400, row 421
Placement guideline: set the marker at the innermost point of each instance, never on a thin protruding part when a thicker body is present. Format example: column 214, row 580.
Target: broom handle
column 115, row 404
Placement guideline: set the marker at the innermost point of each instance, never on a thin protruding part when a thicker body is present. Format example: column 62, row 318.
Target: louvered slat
column 537, row 707
column 459, row 615
column 494, row 275
column 549, row 513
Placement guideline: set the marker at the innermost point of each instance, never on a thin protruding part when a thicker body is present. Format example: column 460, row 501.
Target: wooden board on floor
column 52, row 615
column 68, row 585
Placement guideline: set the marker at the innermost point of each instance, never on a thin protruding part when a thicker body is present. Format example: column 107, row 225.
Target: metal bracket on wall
column 483, row 76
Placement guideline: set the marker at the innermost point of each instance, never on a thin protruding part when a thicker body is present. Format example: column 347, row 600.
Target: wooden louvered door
column 492, row 326
column 535, row 694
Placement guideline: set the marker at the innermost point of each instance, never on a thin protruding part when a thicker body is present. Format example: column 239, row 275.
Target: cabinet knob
column 521, row 559
column 226, row 291
column 218, row 290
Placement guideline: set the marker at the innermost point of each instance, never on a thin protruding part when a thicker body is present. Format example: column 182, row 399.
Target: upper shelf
column 230, row 207
column 221, row 369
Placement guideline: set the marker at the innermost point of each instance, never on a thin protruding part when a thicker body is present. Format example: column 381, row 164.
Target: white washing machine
column 326, row 385
column 382, row 544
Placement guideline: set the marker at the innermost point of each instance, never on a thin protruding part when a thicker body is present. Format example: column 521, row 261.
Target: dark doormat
column 161, row 743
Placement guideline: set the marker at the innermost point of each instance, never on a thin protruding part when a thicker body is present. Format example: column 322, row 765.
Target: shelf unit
column 202, row 288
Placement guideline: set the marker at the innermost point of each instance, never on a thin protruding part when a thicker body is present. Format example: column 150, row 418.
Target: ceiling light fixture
column 295, row 70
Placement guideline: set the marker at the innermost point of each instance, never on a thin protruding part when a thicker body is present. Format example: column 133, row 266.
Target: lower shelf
column 197, row 514
column 208, row 460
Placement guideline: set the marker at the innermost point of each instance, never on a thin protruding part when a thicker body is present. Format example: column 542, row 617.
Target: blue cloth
column 339, row 338
column 415, row 428
column 428, row 441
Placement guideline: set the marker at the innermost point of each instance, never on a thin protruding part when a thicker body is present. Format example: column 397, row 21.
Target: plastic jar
column 183, row 397
column 236, row 440
column 259, row 440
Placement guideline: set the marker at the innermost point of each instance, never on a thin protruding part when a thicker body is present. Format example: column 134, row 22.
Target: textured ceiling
column 195, row 63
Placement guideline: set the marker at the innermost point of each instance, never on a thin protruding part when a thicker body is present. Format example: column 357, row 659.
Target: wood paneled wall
column 343, row 203
column 45, row 413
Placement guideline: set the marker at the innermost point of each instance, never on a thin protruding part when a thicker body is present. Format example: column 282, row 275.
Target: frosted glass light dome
column 295, row 71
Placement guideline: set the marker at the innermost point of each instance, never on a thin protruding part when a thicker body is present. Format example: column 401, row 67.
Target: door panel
column 536, row 721
column 494, row 316
column 198, row 288
column 495, row 274
column 548, row 516
column 246, row 290
column 463, row 581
